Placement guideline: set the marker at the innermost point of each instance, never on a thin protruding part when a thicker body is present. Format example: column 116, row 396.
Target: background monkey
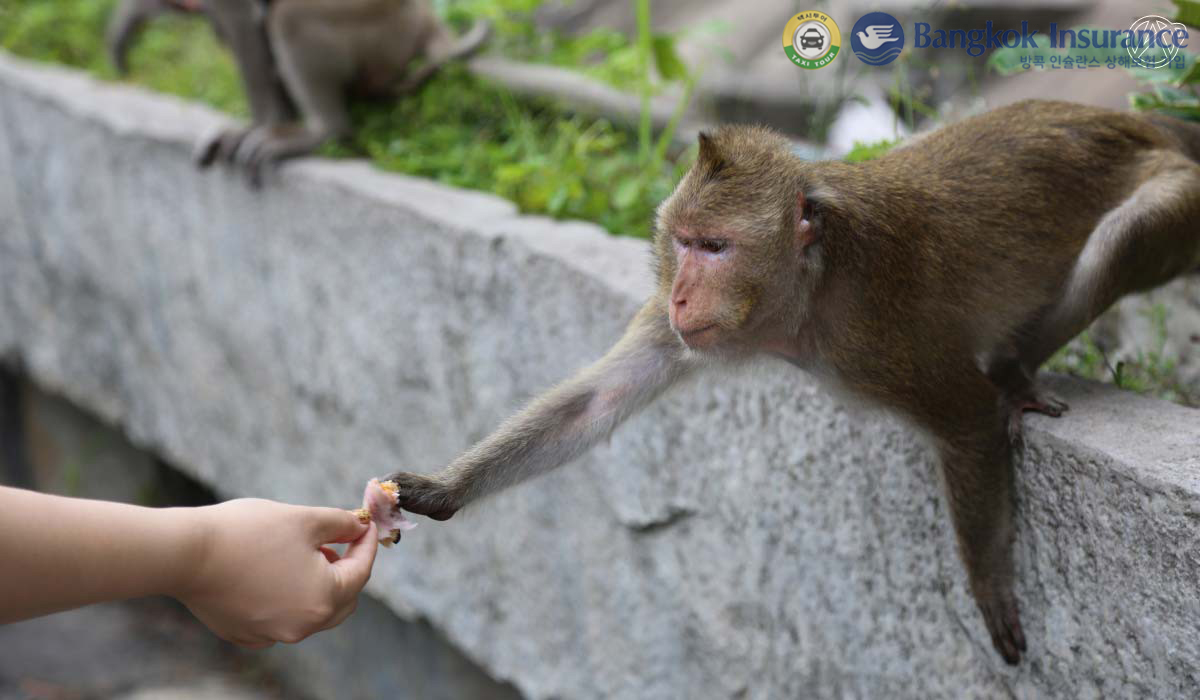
column 933, row 281
column 239, row 23
column 305, row 56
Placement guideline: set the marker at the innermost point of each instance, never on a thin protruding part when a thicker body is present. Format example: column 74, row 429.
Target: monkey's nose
column 677, row 308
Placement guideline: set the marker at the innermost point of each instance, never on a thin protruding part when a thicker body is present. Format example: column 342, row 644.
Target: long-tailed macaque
column 933, row 281
column 306, row 56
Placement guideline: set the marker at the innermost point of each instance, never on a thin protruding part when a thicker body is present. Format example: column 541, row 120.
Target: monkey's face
column 727, row 253
column 728, row 288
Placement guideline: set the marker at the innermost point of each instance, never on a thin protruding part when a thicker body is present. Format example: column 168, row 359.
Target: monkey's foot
column 1003, row 621
column 265, row 147
column 424, row 495
column 1031, row 402
column 220, row 147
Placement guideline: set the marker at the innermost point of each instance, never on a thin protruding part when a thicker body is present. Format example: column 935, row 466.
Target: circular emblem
column 1152, row 45
column 811, row 40
column 877, row 38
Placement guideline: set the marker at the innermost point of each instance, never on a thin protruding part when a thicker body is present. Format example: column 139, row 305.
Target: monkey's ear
column 709, row 157
column 806, row 233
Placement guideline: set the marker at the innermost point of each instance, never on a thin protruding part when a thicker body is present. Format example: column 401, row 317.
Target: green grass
column 1147, row 371
column 862, row 152
column 458, row 130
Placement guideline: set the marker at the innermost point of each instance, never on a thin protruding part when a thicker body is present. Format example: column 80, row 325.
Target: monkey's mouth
column 698, row 338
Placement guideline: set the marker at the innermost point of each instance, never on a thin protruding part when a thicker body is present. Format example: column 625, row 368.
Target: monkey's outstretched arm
column 966, row 415
column 562, row 423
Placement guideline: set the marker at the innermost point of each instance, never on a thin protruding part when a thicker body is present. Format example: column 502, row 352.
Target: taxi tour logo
column 811, row 40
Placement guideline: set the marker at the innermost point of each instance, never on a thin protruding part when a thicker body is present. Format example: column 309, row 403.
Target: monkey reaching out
column 307, row 55
column 933, row 281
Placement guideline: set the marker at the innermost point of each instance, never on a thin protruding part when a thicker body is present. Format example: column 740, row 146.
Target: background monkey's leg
column 316, row 61
column 240, row 24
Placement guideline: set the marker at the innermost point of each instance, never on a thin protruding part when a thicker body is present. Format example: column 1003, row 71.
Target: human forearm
column 61, row 553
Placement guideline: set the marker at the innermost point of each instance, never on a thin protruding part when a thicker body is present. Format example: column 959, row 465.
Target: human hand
column 263, row 574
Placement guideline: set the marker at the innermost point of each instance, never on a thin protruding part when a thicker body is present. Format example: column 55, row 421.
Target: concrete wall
column 747, row 537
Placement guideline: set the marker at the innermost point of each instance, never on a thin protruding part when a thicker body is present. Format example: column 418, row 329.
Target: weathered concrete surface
column 747, row 537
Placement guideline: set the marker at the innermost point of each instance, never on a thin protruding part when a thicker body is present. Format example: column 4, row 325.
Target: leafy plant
column 1148, row 371
column 869, row 151
column 177, row 55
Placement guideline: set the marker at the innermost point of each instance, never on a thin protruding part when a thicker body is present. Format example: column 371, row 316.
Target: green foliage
column 469, row 133
column 1148, row 371
column 49, row 31
column 1188, row 12
column 869, row 151
column 177, row 55
column 603, row 54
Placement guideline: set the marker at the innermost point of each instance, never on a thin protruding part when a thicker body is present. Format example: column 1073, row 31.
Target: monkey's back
column 987, row 216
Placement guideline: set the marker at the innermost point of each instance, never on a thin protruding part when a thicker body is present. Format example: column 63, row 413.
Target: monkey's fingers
column 1046, row 405
column 219, row 147
column 424, row 495
column 1003, row 621
column 379, row 505
column 1030, row 403
column 1016, row 428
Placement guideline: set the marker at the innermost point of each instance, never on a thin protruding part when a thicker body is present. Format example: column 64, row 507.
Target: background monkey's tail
column 470, row 42
column 126, row 23
column 445, row 48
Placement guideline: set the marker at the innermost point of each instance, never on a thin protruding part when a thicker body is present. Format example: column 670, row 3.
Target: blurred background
column 577, row 110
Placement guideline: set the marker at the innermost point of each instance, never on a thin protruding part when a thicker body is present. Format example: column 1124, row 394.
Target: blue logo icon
column 877, row 38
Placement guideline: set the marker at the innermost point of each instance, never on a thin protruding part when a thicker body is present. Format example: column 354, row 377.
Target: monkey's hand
column 1003, row 620
column 379, row 505
column 425, row 495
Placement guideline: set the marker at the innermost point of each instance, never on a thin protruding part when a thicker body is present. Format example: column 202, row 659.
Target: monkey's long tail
column 127, row 21
column 471, row 41
column 464, row 46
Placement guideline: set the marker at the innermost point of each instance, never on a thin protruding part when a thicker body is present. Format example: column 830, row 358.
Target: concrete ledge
column 747, row 537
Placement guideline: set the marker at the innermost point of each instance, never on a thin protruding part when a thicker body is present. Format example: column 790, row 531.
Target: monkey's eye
column 711, row 246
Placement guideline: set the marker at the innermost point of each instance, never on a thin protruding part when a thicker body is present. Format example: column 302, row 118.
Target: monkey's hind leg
column 316, row 63
column 1020, row 393
column 1150, row 238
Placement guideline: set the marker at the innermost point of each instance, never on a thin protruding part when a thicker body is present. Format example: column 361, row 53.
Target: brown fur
column 933, row 281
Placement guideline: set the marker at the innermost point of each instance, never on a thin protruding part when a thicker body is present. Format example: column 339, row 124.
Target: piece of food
column 379, row 504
